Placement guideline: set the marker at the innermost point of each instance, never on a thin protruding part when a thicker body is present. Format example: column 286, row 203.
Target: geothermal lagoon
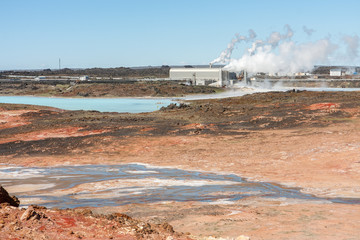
column 131, row 105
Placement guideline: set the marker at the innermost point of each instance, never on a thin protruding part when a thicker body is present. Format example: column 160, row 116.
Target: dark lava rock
column 6, row 198
column 173, row 106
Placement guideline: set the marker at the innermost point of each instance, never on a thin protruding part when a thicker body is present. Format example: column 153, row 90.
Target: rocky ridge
column 38, row 222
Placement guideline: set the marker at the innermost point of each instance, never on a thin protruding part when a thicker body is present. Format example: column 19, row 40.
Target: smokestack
column 245, row 77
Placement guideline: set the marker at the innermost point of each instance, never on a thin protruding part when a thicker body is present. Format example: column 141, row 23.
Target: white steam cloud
column 280, row 54
column 226, row 54
column 352, row 46
column 289, row 58
column 308, row 31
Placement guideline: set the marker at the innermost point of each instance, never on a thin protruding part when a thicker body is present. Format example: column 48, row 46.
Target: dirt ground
column 308, row 140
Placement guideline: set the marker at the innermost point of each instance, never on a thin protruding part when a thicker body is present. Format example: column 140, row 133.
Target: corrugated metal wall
column 191, row 73
column 199, row 76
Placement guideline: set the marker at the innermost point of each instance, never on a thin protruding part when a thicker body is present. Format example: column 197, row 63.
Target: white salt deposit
column 19, row 173
column 15, row 189
column 140, row 172
column 222, row 202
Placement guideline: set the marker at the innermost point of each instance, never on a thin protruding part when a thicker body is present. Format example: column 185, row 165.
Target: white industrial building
column 336, row 72
column 201, row 76
column 84, row 78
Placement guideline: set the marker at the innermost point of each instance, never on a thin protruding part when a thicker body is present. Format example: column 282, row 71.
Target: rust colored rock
column 167, row 228
column 41, row 223
column 30, row 214
column 6, row 198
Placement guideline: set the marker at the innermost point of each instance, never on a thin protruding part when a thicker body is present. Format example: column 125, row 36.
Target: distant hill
column 119, row 72
column 138, row 72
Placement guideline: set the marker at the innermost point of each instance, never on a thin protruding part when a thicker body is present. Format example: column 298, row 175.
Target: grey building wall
column 201, row 76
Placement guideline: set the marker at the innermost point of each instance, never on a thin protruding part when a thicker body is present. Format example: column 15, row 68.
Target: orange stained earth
column 12, row 118
column 321, row 160
column 52, row 133
column 324, row 106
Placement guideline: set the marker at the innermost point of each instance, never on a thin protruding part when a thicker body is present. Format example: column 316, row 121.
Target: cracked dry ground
column 304, row 139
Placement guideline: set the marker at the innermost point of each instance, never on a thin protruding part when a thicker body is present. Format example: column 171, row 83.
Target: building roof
column 196, row 69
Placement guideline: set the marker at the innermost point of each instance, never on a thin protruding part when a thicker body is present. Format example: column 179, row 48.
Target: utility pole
column 59, row 64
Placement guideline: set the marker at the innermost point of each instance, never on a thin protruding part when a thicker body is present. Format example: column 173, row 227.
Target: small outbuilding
column 335, row 72
column 84, row 78
column 38, row 78
column 201, row 76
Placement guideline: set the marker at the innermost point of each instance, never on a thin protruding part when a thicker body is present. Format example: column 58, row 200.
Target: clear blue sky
column 111, row 33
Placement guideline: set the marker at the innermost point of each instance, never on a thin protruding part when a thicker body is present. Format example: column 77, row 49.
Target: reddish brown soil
column 12, row 118
column 41, row 223
column 52, row 133
column 301, row 139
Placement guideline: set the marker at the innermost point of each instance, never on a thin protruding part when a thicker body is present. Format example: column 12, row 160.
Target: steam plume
column 308, row 31
column 352, row 46
column 279, row 54
column 273, row 39
column 276, row 37
column 226, row 54
column 289, row 59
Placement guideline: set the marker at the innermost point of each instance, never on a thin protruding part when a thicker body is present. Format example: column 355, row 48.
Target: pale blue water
column 132, row 105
